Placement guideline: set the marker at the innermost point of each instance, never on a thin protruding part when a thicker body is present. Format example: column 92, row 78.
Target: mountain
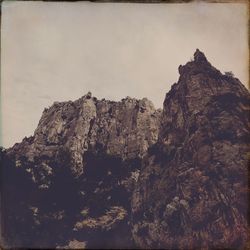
column 83, row 161
column 193, row 188
column 105, row 174
column 124, row 129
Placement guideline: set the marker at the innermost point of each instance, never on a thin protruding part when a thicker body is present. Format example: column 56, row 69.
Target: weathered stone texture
column 171, row 179
column 125, row 129
column 193, row 186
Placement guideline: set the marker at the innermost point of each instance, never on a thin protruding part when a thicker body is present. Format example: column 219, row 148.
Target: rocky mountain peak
column 108, row 174
column 199, row 64
column 193, row 180
column 199, row 81
column 199, row 56
column 125, row 129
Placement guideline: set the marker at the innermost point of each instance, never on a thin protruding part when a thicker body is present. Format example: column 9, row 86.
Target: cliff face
column 192, row 190
column 84, row 159
column 122, row 174
column 123, row 129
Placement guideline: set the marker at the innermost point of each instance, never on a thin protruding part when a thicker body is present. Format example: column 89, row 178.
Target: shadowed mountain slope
column 193, row 186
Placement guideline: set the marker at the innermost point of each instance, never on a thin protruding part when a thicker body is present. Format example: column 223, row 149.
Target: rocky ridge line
column 193, row 186
column 125, row 129
column 167, row 179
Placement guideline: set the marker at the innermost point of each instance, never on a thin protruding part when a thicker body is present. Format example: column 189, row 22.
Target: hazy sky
column 53, row 51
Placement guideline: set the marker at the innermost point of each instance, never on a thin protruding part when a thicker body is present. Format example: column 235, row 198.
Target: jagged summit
column 199, row 56
column 198, row 167
column 125, row 128
column 200, row 64
column 103, row 172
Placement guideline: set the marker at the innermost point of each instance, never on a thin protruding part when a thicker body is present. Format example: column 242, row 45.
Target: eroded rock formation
column 123, row 175
column 125, row 129
column 192, row 190
column 85, row 156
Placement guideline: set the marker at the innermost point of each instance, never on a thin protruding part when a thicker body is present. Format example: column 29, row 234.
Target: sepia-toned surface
column 146, row 178
column 123, row 129
column 58, row 51
column 115, row 170
column 193, row 187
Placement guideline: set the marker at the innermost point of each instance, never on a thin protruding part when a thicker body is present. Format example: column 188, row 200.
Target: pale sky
column 58, row 51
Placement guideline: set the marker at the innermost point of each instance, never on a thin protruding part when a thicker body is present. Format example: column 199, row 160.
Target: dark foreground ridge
column 104, row 174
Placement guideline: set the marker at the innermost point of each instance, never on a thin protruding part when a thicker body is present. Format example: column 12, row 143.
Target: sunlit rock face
column 192, row 190
column 105, row 174
column 125, row 129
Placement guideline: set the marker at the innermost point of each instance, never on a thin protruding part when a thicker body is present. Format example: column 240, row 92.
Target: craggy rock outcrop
column 106, row 174
column 193, row 186
column 125, row 129
column 84, row 155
